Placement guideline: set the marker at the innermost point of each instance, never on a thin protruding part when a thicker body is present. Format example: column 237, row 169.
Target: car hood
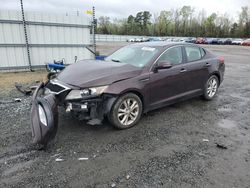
column 88, row 73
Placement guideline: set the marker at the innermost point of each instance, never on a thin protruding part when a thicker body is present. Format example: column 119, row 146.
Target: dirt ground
column 8, row 79
column 175, row 146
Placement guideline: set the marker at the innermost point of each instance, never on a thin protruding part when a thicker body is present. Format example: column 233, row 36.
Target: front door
column 167, row 84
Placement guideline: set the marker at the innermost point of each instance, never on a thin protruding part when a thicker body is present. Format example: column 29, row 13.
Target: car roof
column 163, row 44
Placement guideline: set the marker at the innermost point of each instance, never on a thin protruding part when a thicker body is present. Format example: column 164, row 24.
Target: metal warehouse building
column 42, row 38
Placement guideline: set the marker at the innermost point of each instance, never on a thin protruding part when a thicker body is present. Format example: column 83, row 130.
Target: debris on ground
column 127, row 177
column 18, row 100
column 59, row 160
column 83, row 159
column 57, row 154
column 5, row 102
column 22, row 89
column 27, row 89
column 221, row 146
column 10, row 101
column 113, row 185
column 201, row 154
column 205, row 140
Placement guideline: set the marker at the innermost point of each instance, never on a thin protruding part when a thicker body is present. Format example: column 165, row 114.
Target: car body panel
column 165, row 84
column 90, row 72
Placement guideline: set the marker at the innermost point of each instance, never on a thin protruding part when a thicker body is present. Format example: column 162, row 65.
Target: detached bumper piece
column 44, row 117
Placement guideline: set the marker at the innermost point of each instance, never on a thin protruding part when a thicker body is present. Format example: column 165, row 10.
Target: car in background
column 215, row 41
column 169, row 39
column 237, row 41
column 131, row 40
column 208, row 41
column 178, row 40
column 246, row 42
column 190, row 40
column 154, row 39
column 200, row 40
column 141, row 39
column 225, row 41
column 145, row 39
column 211, row 41
column 132, row 81
column 138, row 40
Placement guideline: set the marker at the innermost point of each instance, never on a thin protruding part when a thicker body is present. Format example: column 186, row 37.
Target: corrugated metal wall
column 50, row 36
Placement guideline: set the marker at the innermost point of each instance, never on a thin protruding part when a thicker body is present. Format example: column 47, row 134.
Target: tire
column 211, row 88
column 122, row 115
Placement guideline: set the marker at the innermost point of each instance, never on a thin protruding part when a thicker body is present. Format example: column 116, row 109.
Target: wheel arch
column 217, row 74
column 112, row 100
column 136, row 92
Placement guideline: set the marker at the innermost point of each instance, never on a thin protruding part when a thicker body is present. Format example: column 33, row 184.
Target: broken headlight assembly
column 93, row 91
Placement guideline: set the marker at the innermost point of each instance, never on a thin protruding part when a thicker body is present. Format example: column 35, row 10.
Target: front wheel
column 126, row 111
column 211, row 87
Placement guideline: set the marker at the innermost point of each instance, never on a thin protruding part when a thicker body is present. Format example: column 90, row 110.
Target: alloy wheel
column 128, row 111
column 212, row 87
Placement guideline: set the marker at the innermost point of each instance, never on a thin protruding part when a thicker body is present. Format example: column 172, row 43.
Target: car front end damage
column 91, row 104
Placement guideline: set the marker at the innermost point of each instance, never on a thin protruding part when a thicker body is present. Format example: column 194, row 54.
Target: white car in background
column 131, row 40
column 237, row 41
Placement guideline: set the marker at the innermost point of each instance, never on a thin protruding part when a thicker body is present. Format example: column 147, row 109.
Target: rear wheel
column 126, row 111
column 211, row 87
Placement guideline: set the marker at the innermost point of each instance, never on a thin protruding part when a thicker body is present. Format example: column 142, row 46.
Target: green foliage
column 178, row 22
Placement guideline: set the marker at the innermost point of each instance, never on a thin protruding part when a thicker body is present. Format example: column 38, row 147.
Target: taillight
column 221, row 60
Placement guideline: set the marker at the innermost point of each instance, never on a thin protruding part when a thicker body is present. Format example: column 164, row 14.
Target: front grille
column 53, row 87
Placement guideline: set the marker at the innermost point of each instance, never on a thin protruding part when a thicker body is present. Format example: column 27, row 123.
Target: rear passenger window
column 193, row 53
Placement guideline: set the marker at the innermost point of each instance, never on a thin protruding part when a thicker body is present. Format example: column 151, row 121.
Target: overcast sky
column 123, row 8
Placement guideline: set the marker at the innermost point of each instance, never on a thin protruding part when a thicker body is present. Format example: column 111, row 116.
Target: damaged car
column 130, row 82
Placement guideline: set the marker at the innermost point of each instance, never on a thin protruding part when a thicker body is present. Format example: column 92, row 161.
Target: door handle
column 183, row 70
column 207, row 64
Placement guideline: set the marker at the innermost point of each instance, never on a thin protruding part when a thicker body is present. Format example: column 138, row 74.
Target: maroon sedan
column 133, row 80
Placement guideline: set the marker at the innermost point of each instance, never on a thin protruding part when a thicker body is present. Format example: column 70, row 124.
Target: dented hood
column 88, row 73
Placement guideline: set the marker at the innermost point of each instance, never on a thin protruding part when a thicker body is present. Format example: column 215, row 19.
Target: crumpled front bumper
column 91, row 108
column 45, row 105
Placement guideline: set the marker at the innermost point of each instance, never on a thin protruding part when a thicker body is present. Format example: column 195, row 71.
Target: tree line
column 183, row 21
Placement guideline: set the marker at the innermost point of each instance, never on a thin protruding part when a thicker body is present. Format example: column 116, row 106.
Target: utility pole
column 25, row 35
column 94, row 21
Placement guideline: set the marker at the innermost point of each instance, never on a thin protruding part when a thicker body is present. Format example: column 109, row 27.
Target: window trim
column 181, row 46
column 202, row 49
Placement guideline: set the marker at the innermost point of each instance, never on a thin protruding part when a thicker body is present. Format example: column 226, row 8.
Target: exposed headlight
column 78, row 94
column 74, row 94
column 97, row 90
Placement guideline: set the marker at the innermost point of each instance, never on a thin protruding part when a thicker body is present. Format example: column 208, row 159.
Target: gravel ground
column 175, row 146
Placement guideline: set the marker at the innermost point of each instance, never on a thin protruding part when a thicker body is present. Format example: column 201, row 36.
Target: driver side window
column 172, row 55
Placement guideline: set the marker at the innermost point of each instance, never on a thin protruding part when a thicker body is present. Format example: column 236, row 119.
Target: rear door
column 196, row 67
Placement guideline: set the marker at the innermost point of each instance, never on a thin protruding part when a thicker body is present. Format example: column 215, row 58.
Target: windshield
column 137, row 56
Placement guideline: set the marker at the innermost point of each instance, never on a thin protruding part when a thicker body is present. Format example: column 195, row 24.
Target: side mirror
column 163, row 65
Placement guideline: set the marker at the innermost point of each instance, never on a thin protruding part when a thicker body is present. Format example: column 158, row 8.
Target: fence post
column 94, row 28
column 25, row 35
